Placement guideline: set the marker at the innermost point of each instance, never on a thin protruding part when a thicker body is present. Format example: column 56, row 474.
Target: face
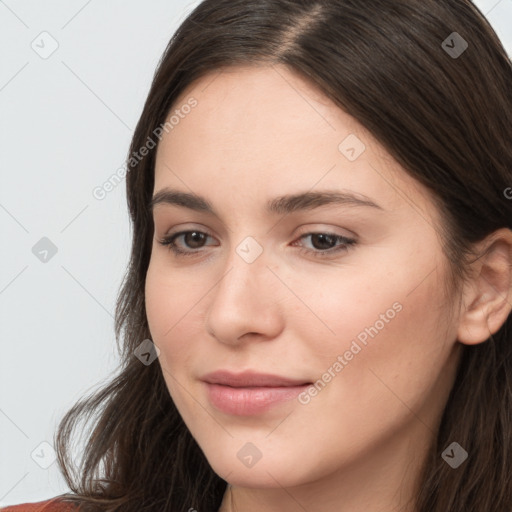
column 343, row 298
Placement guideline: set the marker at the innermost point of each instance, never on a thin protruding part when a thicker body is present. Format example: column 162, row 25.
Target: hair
column 446, row 120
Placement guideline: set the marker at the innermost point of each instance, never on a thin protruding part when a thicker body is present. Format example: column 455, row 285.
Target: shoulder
column 51, row 505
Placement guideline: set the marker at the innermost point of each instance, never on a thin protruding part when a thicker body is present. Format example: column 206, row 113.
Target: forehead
column 265, row 129
column 266, row 101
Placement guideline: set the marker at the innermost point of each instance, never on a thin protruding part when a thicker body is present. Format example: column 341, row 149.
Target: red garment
column 51, row 505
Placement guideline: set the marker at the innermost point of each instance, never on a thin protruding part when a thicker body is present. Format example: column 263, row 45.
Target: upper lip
column 250, row 378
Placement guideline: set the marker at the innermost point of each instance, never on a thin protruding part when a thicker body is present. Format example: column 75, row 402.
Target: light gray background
column 65, row 127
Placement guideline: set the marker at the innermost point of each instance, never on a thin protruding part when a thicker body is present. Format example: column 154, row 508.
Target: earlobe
column 487, row 295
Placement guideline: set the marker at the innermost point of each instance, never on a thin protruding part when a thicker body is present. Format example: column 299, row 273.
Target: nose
column 245, row 303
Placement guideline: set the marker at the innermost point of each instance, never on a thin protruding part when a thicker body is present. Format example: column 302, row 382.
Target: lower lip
column 250, row 401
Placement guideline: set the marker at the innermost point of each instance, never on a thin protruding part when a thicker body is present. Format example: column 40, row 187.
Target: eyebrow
column 278, row 206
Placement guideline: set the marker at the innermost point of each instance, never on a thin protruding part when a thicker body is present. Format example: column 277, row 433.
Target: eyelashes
column 319, row 236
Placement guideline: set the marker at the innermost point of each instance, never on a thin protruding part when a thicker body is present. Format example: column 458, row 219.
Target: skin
column 358, row 445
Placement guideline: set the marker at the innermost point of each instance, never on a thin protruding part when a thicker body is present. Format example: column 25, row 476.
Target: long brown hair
column 445, row 117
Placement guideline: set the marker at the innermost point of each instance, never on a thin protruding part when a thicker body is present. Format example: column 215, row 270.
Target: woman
column 316, row 314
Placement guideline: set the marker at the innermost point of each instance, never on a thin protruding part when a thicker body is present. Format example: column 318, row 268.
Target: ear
column 487, row 295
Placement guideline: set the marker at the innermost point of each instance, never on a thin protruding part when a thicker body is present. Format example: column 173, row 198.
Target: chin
column 274, row 472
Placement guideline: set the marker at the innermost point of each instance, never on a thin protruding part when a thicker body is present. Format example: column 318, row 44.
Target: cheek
column 171, row 295
column 169, row 301
column 399, row 376
column 391, row 317
column 393, row 343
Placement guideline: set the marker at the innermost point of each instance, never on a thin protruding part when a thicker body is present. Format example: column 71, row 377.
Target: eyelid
column 306, row 231
column 344, row 244
column 186, row 227
column 302, row 231
column 324, row 228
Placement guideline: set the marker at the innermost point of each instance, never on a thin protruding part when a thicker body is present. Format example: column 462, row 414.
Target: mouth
column 250, row 379
column 250, row 393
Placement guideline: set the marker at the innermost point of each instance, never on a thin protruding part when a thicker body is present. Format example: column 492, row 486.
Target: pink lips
column 250, row 393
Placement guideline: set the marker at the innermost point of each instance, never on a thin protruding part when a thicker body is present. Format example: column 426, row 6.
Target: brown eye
column 327, row 244
column 322, row 241
column 192, row 240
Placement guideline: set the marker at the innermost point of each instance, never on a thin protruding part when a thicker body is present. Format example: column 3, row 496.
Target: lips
column 251, row 379
column 250, row 393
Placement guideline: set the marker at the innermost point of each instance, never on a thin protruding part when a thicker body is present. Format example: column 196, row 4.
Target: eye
column 324, row 244
column 194, row 238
